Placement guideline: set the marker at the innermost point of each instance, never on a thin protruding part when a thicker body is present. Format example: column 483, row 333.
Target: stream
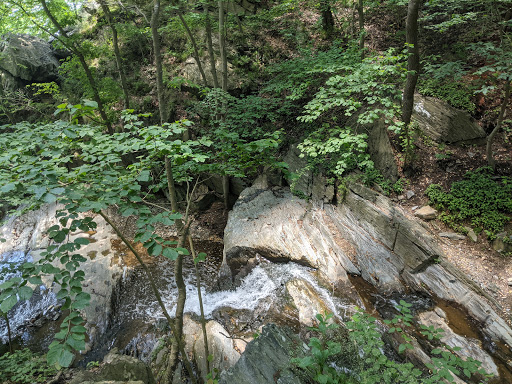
column 261, row 297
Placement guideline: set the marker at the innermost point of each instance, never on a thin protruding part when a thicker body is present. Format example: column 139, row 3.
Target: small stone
column 415, row 208
column 510, row 282
column 452, row 235
column 410, row 194
column 426, row 213
column 471, row 234
column 401, row 197
column 471, row 154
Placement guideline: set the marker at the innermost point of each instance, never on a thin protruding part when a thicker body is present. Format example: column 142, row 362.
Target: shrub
column 480, row 198
column 24, row 366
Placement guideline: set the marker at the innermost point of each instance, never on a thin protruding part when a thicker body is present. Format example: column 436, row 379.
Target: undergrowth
column 24, row 366
column 481, row 199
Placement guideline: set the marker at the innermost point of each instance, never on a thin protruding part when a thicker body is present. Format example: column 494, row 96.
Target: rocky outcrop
column 365, row 235
column 266, row 359
column 443, row 123
column 117, row 368
column 103, row 267
column 26, row 59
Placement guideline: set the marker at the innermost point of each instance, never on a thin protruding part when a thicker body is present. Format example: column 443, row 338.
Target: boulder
column 426, row 213
column 27, row 59
column 302, row 183
column 468, row 347
column 103, row 268
column 225, row 350
column 503, row 242
column 379, row 148
column 443, row 123
column 117, row 368
column 266, row 359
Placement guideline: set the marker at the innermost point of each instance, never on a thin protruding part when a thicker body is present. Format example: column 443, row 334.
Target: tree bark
column 222, row 43
column 211, row 54
column 413, row 67
column 327, row 18
column 490, row 139
column 83, row 62
column 158, row 62
column 117, row 53
column 360, row 13
column 413, row 61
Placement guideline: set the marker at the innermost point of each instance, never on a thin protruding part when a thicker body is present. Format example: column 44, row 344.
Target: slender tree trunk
column 194, row 46
column 327, row 18
column 224, row 61
column 200, row 297
column 158, row 62
column 152, row 283
column 211, row 54
column 222, row 43
column 499, row 123
column 117, row 53
column 9, row 331
column 413, row 67
column 85, row 67
column 360, row 12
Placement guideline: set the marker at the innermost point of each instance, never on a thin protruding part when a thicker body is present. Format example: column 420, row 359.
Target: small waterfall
column 26, row 315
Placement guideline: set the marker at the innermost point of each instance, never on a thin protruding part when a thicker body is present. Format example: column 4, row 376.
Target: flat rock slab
column 426, row 213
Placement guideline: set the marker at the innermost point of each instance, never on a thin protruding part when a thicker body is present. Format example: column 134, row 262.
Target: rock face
column 117, row 368
column 443, row 123
column 469, row 347
column 266, row 359
column 26, row 59
column 102, row 269
column 365, row 235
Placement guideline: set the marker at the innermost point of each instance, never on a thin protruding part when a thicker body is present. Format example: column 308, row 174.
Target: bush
column 481, row 199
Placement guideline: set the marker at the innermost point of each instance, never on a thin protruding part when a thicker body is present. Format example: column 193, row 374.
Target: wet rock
column 307, row 301
column 443, row 123
column 266, row 359
column 452, row 235
column 225, row 350
column 120, row 368
column 426, row 213
column 469, row 347
column 279, row 226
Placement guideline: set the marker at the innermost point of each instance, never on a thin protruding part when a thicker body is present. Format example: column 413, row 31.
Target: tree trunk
column 85, row 67
column 158, row 62
column 222, row 43
column 117, row 53
column 499, row 123
column 413, row 67
column 360, row 13
column 211, row 54
column 413, row 61
column 327, row 18
column 194, row 46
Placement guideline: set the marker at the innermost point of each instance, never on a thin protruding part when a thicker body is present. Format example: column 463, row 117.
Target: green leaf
column 25, row 293
column 170, row 253
column 78, row 329
column 8, row 303
column 183, row 251
column 82, row 241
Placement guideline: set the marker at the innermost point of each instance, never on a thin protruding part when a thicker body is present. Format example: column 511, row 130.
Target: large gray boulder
column 443, row 123
column 266, row 359
column 26, row 59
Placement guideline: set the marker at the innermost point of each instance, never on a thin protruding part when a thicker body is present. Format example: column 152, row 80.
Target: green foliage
column 327, row 360
column 456, row 94
column 336, row 151
column 24, row 367
column 480, row 198
column 321, row 352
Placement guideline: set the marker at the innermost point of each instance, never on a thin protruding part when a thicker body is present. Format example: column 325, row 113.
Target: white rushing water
column 41, row 301
column 265, row 284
